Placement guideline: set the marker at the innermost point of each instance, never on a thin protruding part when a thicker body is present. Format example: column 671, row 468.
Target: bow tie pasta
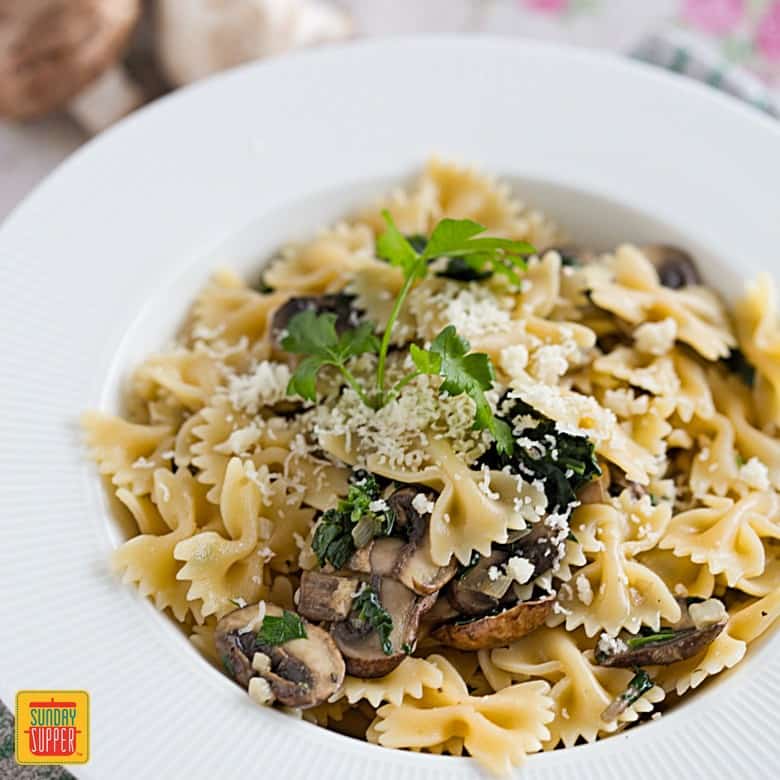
column 443, row 481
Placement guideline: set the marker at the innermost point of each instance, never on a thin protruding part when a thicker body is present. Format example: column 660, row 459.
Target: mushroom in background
column 195, row 38
column 63, row 54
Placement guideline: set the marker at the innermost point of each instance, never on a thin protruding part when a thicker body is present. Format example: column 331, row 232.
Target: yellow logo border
column 55, row 760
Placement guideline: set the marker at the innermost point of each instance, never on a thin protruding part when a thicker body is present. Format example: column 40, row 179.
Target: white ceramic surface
column 97, row 265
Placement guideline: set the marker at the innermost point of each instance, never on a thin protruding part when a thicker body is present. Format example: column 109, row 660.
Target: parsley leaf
column 352, row 524
column 315, row 336
column 464, row 372
column 394, row 247
column 456, row 239
column 278, row 630
column 368, row 610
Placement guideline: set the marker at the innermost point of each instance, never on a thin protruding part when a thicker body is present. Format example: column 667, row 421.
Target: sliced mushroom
column 680, row 645
column 541, row 545
column 415, row 566
column 675, row 266
column 300, row 672
column 326, row 597
column 401, row 501
column 361, row 646
column 337, row 303
column 496, row 630
column 478, row 590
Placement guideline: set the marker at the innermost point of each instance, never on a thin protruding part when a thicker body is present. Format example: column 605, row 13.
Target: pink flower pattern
column 768, row 33
column 547, row 6
column 716, row 17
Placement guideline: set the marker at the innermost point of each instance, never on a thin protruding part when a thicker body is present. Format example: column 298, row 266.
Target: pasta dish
column 442, row 480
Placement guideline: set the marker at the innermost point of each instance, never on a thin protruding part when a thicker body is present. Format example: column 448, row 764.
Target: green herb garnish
column 369, row 610
column 314, row 335
column 564, row 462
column 352, row 524
column 278, row 630
column 637, row 686
column 471, row 374
column 227, row 665
column 660, row 636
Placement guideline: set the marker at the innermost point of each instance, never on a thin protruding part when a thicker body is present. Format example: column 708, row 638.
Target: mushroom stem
column 106, row 100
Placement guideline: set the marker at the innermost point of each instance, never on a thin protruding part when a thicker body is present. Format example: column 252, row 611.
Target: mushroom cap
column 301, row 672
column 55, row 48
column 676, row 268
column 685, row 644
column 496, row 630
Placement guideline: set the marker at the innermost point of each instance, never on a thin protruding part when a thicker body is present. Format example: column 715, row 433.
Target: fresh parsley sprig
column 464, row 372
column 452, row 238
column 315, row 336
column 278, row 630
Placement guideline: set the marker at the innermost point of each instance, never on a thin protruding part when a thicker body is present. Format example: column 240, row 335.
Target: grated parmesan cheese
column 755, row 474
column 422, row 504
column 656, row 338
column 611, row 645
column 584, row 589
column 266, row 384
column 520, row 569
column 260, row 691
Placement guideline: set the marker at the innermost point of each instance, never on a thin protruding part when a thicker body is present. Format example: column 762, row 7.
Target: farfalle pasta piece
column 148, row 560
column 473, row 509
column 682, row 576
column 656, row 374
column 756, row 316
column 188, row 376
column 728, row 648
column 407, row 679
column 614, row 591
column 769, row 579
column 497, row 730
column 734, row 402
column 223, row 432
column 324, row 264
column 227, row 312
column 541, row 286
column 726, row 534
column 636, row 295
column 127, row 452
column 581, row 690
column 220, row 569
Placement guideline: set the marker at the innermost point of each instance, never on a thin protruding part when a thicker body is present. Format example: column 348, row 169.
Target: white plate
column 97, row 265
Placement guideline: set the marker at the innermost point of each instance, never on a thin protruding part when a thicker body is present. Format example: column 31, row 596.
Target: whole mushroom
column 198, row 37
column 63, row 54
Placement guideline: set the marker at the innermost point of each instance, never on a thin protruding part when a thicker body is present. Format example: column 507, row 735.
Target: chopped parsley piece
column 464, row 372
column 335, row 537
column 278, row 630
column 227, row 665
column 368, row 610
column 661, row 636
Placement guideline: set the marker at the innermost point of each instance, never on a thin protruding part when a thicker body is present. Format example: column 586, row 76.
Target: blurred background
column 69, row 68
